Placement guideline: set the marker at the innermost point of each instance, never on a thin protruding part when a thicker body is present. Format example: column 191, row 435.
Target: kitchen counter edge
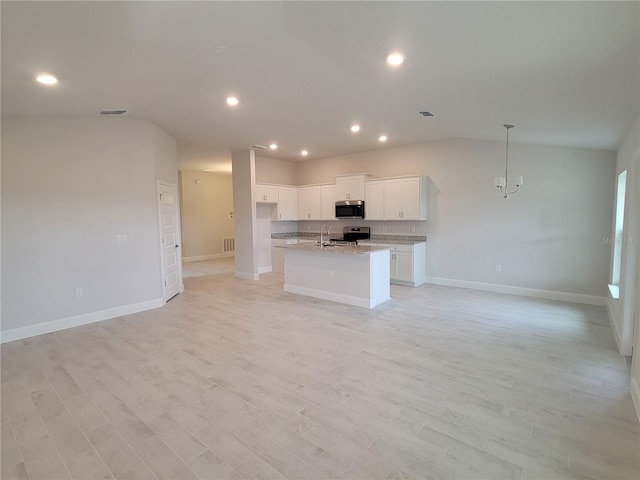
column 344, row 249
column 386, row 239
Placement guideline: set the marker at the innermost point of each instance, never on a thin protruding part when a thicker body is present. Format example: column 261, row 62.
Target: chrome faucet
column 321, row 231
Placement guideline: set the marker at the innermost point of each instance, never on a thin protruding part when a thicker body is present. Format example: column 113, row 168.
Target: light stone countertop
column 348, row 249
column 397, row 241
column 375, row 238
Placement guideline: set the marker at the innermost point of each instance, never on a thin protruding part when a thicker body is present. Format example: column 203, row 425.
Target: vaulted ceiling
column 565, row 73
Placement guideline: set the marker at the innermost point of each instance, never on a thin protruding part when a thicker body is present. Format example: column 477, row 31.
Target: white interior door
column 170, row 247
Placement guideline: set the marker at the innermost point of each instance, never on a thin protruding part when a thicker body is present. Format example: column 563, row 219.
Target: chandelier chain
column 503, row 183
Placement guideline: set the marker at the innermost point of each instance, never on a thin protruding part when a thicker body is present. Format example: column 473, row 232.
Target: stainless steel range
column 353, row 234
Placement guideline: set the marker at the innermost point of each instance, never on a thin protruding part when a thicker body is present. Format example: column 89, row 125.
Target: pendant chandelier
column 502, row 183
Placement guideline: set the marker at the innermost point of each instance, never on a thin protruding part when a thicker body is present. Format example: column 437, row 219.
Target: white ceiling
column 565, row 73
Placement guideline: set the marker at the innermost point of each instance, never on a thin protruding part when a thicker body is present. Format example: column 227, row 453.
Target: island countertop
column 346, row 249
column 406, row 240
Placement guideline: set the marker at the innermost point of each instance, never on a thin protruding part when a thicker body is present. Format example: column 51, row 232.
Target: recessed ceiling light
column 46, row 79
column 304, row 153
column 395, row 59
column 355, row 128
column 273, row 146
column 233, row 101
column 382, row 138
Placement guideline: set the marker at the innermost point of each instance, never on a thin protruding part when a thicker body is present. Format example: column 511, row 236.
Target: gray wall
column 69, row 187
column 272, row 170
column 244, row 214
column 548, row 236
column 624, row 309
column 205, row 208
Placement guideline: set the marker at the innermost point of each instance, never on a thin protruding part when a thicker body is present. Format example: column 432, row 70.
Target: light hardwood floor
column 236, row 379
column 215, row 266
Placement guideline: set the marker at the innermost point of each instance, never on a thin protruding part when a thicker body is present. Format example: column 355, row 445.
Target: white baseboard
column 334, row 297
column 84, row 319
column 635, row 395
column 208, row 257
column 265, row 270
column 406, row 284
column 526, row 292
column 614, row 326
column 247, row 276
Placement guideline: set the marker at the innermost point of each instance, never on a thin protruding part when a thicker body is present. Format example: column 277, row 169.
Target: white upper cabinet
column 393, row 199
column 405, row 198
column 414, row 198
column 328, row 202
column 401, row 198
column 266, row 193
column 309, row 203
column 374, row 199
column 350, row 187
column 287, row 203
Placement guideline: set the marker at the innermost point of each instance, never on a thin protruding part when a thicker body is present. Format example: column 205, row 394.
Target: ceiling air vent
column 426, row 114
column 259, row 147
column 113, row 111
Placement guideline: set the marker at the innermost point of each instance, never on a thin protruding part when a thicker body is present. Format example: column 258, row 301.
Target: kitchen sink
column 331, row 244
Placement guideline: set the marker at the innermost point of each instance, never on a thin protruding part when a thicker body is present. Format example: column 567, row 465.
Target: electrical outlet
column 308, row 227
column 121, row 239
column 413, row 229
column 79, row 293
column 498, row 268
column 384, row 229
column 331, row 275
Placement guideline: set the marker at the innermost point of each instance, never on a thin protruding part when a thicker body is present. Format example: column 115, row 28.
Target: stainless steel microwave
column 350, row 209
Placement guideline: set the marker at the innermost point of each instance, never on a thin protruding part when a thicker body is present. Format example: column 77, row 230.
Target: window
column 618, row 239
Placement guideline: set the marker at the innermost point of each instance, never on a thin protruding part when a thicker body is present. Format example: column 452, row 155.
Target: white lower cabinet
column 402, row 266
column 407, row 262
column 277, row 254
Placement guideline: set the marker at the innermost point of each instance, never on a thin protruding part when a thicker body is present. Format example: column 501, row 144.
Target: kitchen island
column 352, row 274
